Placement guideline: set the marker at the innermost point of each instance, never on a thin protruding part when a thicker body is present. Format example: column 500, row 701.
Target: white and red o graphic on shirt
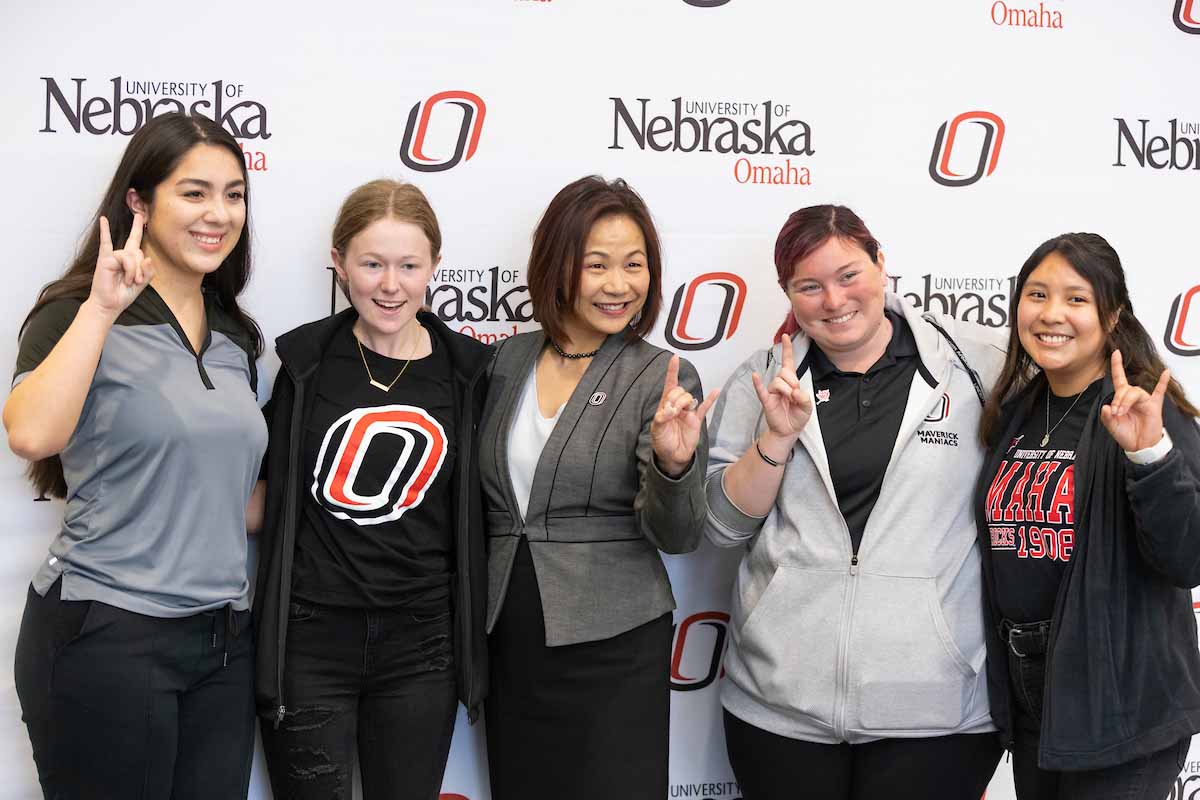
column 412, row 446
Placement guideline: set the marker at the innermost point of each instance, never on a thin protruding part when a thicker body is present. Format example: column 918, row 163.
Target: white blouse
column 526, row 437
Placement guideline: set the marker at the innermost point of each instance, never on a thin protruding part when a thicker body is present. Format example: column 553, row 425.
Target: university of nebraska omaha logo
column 403, row 444
column 725, row 321
column 940, row 168
column 1187, row 16
column 1177, row 324
column 414, row 150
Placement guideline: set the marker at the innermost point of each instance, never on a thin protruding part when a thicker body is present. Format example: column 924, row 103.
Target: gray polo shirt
column 161, row 464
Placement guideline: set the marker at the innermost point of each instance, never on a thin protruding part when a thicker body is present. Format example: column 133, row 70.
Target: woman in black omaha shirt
column 365, row 598
column 1089, row 520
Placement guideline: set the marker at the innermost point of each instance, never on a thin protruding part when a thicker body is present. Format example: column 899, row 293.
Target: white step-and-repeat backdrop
column 965, row 132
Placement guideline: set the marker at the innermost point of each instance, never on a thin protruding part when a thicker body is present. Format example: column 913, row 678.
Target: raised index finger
column 1118, row 371
column 106, row 247
column 672, row 379
column 787, row 359
column 134, row 242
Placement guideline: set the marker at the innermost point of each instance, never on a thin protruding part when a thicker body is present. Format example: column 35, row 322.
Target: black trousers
column 122, row 705
column 773, row 767
column 378, row 684
column 1146, row 778
column 586, row 721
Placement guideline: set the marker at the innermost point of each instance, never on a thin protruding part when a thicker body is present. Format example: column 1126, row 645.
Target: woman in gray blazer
column 592, row 456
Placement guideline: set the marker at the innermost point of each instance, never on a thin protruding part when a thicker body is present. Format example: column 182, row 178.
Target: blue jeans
column 379, row 683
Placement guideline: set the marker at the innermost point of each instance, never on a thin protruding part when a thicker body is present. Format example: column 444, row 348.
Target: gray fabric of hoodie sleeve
column 735, row 425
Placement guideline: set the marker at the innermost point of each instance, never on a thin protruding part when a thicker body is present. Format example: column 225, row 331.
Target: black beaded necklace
column 572, row 356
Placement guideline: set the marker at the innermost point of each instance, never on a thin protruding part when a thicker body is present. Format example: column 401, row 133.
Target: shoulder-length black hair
column 1098, row 263
column 152, row 154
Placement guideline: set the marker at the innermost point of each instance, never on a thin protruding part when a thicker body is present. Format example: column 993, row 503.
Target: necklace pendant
column 380, row 386
column 1045, row 440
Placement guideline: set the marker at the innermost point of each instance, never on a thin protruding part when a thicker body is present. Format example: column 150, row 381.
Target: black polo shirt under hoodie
column 377, row 529
column 1031, row 507
column 860, row 416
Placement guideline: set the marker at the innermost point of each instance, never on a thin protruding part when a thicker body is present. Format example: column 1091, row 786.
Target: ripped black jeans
column 379, row 683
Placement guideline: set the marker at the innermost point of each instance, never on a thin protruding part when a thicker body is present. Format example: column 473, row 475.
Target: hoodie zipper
column 288, row 545
column 464, row 505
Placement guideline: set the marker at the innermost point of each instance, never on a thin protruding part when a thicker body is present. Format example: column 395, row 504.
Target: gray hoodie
column 829, row 651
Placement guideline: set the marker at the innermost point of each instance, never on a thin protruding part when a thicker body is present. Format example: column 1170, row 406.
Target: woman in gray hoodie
column 843, row 461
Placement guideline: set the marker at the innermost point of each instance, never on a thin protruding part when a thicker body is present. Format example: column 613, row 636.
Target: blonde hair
column 385, row 198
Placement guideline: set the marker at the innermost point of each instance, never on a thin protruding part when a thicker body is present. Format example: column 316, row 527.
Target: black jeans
column 122, row 705
column 772, row 767
column 379, row 683
column 1146, row 778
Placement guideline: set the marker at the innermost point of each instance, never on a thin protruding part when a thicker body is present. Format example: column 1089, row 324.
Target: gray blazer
column 599, row 509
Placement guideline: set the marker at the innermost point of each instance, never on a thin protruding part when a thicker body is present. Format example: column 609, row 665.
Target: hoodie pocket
column 905, row 671
column 787, row 648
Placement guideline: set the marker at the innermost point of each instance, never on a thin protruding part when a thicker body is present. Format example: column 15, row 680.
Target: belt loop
column 1033, row 637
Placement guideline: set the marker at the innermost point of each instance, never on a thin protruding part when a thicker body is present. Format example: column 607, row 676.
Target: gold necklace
column 371, row 378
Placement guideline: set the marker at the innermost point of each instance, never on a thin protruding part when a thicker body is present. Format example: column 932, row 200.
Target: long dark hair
column 556, row 258
column 1098, row 263
column 152, row 154
column 808, row 229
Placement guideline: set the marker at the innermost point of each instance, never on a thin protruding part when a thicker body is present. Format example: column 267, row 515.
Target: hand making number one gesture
column 1134, row 417
column 675, row 430
column 786, row 406
column 121, row 275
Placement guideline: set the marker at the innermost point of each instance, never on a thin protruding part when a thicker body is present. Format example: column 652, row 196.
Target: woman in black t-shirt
column 372, row 527
column 1089, row 521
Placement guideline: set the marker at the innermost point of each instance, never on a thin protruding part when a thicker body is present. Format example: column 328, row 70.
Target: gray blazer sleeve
column 670, row 511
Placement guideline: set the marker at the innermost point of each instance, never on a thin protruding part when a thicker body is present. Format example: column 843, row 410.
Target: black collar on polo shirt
column 901, row 345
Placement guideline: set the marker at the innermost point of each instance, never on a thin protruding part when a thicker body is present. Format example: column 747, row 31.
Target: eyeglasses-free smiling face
column 1058, row 324
column 837, row 297
column 386, row 269
column 197, row 213
column 613, row 282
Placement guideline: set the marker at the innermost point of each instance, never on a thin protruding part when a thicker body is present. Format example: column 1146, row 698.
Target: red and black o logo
column 680, row 331
column 989, row 152
column 942, row 411
column 699, row 650
column 376, row 463
column 1178, row 338
column 414, row 150
column 1187, row 16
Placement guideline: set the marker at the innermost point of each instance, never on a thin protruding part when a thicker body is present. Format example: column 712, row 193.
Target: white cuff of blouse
column 1153, row 453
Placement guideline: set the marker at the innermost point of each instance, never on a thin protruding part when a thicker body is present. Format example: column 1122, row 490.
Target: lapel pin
column 598, row 399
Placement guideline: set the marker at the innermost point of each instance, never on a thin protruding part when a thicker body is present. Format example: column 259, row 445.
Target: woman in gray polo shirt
column 134, row 398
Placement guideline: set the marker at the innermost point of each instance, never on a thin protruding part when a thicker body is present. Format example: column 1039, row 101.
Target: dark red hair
column 808, row 229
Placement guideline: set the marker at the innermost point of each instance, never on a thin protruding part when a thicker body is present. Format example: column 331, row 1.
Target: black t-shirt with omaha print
column 377, row 528
column 1031, row 508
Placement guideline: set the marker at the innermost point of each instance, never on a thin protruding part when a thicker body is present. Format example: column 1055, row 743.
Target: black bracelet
column 766, row 457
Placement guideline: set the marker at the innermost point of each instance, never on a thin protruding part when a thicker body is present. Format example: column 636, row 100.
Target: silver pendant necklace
column 1049, row 430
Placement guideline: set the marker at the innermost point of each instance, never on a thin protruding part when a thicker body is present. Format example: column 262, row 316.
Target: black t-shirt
column 377, row 527
column 1031, row 507
column 860, row 415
